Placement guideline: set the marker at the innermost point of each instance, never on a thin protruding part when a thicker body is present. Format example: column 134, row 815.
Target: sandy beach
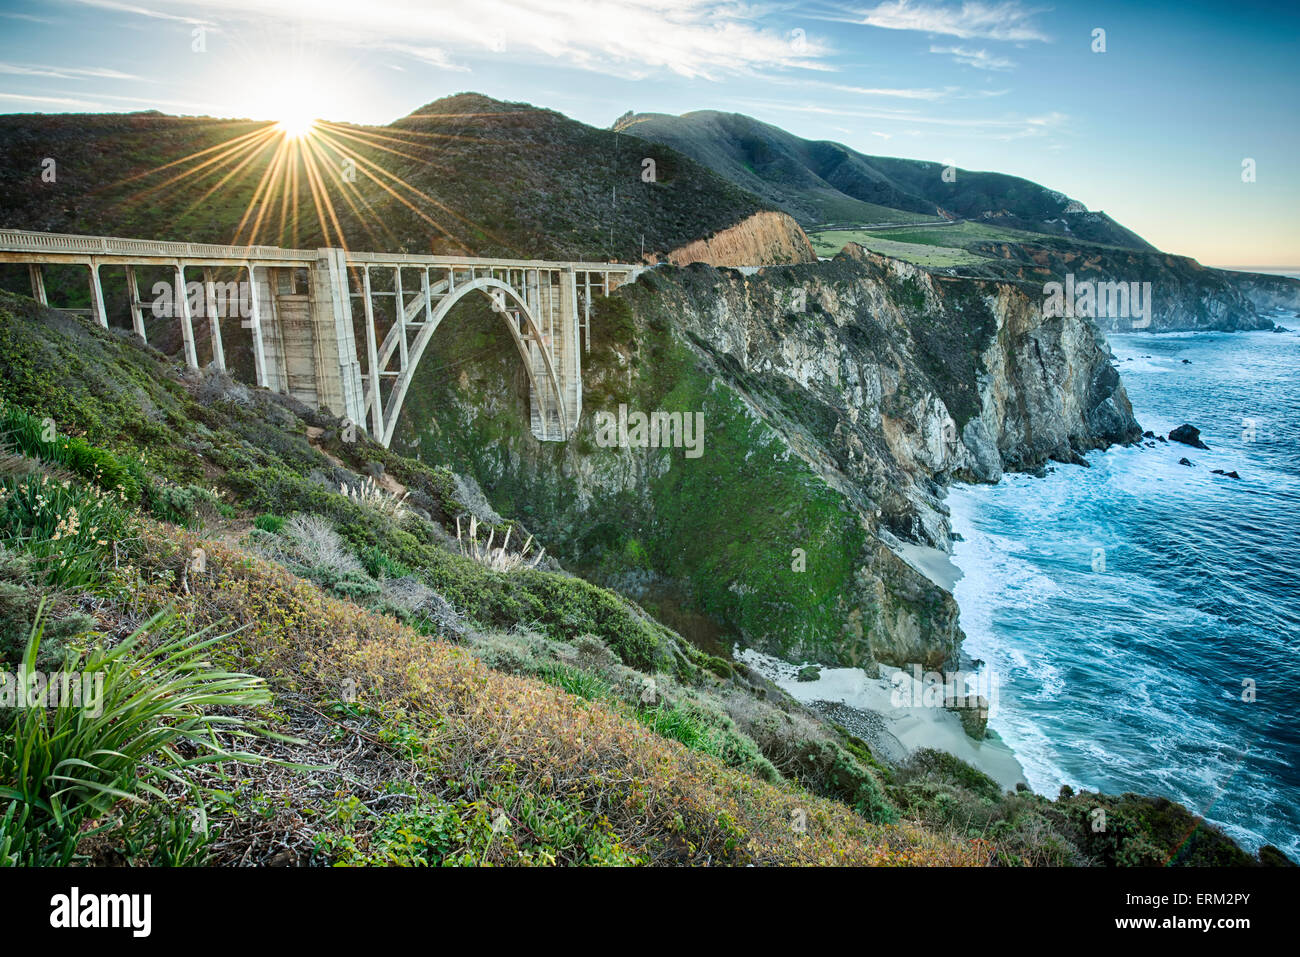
column 865, row 706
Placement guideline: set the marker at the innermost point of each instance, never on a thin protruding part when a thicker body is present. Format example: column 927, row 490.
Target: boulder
column 1188, row 435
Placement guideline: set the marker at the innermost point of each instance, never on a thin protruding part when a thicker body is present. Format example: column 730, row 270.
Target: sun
column 296, row 126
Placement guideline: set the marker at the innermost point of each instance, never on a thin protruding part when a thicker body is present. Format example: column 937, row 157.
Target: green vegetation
column 384, row 700
column 817, row 181
column 831, row 241
column 501, row 176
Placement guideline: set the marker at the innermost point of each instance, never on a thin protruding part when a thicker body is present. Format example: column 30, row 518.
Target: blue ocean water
column 1125, row 669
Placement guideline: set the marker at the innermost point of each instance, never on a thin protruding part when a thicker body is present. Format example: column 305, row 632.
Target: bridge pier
column 338, row 383
column 137, row 307
column 37, row 275
column 182, row 300
column 214, row 320
column 97, row 295
column 254, row 324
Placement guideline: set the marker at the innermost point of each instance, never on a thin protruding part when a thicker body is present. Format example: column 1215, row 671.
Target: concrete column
column 37, row 275
column 137, row 310
column 572, row 351
column 267, row 288
column 372, row 361
column 214, row 320
column 586, row 313
column 401, row 315
column 254, row 324
column 182, row 300
column 338, row 372
column 97, row 295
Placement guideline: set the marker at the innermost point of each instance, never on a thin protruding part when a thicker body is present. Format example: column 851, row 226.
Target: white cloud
column 1007, row 20
column 48, row 101
column 433, row 56
column 904, row 94
column 143, row 11
column 629, row 38
column 65, row 72
column 980, row 59
column 1006, row 127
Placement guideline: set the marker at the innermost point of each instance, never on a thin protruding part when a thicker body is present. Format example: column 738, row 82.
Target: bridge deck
column 308, row 344
column 24, row 246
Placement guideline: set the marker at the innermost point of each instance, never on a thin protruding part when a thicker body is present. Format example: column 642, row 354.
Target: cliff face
column 836, row 400
column 1265, row 292
column 1184, row 295
column 763, row 239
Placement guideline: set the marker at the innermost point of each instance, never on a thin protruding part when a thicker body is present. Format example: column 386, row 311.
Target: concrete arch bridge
column 341, row 330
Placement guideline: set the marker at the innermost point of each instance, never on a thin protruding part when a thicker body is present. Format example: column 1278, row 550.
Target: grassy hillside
column 465, row 173
column 817, row 181
column 303, row 667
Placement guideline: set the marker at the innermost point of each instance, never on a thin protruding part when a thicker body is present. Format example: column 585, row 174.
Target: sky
column 1157, row 120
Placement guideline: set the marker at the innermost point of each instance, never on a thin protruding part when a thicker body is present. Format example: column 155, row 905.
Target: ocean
column 1142, row 617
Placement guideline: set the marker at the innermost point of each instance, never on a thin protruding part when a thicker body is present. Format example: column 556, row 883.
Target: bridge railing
column 21, row 240
column 26, row 241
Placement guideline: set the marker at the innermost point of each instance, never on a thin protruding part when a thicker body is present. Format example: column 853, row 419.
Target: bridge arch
column 487, row 285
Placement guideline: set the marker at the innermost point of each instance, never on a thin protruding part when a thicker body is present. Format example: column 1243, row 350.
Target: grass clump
column 156, row 711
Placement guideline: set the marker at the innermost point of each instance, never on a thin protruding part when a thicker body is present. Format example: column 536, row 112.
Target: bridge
column 301, row 309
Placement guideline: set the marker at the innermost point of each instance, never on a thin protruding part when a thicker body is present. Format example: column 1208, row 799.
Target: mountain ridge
column 818, row 181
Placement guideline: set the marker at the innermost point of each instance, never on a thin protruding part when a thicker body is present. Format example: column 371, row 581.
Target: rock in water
column 1184, row 462
column 1188, row 435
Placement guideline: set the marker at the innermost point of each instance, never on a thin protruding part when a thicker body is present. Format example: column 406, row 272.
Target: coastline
column 864, row 705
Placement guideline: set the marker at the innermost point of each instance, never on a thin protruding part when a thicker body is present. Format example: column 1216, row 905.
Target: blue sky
column 1154, row 130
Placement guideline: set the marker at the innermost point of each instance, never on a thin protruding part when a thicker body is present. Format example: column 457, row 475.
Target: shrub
column 268, row 522
column 68, row 530
column 28, row 434
column 380, row 565
column 369, row 493
column 159, row 697
column 171, row 503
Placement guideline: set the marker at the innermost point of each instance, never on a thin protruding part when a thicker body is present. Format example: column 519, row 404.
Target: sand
column 866, row 707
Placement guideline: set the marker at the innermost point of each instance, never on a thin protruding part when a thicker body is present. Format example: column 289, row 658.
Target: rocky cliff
column 763, row 239
column 1184, row 295
column 1265, row 292
column 836, row 398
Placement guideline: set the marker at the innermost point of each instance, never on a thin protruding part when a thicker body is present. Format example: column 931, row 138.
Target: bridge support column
column 97, row 295
column 37, row 275
column 214, row 320
column 338, row 372
column 137, row 307
column 570, row 349
column 372, row 357
column 254, row 324
column 182, row 300
column 266, row 287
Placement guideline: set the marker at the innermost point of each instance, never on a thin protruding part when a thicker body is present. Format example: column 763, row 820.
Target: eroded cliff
column 763, row 239
column 836, row 399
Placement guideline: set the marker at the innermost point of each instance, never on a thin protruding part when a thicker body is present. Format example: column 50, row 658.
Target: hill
column 465, row 173
column 380, row 692
column 818, row 181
